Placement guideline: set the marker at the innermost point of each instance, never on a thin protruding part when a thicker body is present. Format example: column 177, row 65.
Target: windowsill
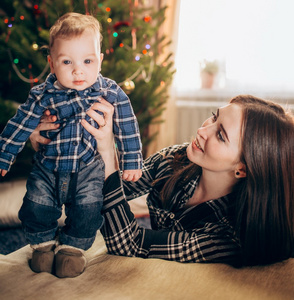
column 226, row 92
column 224, row 95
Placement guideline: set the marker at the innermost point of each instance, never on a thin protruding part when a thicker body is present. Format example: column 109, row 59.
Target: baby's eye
column 87, row 61
column 66, row 62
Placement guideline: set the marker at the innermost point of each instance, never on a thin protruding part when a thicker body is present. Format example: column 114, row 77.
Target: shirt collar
column 191, row 186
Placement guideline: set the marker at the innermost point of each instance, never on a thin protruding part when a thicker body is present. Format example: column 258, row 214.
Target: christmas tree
column 133, row 53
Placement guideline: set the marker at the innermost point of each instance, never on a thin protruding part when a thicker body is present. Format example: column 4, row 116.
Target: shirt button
column 75, row 143
column 79, row 109
column 172, row 215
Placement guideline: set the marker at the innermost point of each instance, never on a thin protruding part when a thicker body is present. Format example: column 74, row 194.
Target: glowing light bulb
column 35, row 46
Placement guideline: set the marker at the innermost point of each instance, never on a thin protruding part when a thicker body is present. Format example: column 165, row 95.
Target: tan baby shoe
column 43, row 257
column 69, row 261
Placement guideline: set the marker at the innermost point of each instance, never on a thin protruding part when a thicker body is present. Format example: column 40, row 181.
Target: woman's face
column 216, row 147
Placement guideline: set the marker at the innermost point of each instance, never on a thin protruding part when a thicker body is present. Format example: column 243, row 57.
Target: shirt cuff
column 6, row 160
column 113, row 191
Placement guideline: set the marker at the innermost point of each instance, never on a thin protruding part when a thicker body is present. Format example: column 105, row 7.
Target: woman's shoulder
column 167, row 154
column 164, row 158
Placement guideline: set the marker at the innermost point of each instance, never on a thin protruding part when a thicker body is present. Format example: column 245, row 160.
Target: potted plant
column 208, row 71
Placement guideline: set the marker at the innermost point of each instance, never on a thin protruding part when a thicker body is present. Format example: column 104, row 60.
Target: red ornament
column 36, row 10
column 147, row 19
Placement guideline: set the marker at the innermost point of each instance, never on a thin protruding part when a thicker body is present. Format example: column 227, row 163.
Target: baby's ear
column 50, row 61
column 101, row 59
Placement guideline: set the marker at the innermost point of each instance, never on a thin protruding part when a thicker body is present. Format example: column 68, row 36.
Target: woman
column 228, row 196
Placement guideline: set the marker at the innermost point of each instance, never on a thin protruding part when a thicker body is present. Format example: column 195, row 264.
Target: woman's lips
column 196, row 145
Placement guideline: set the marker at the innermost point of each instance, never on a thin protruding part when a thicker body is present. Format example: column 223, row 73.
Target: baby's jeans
column 81, row 193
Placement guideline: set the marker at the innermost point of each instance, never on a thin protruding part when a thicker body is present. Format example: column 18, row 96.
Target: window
column 252, row 41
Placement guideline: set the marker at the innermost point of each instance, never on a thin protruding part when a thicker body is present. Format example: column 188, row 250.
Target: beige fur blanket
column 115, row 277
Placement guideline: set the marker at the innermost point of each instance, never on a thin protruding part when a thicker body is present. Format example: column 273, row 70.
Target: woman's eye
column 220, row 136
column 219, row 133
column 214, row 117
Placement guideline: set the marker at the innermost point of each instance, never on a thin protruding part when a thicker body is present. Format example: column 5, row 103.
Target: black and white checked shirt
column 201, row 233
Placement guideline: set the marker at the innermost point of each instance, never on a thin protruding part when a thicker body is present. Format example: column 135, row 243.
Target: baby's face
column 76, row 61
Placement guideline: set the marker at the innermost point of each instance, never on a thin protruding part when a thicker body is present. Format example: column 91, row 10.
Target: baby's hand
column 131, row 175
column 3, row 172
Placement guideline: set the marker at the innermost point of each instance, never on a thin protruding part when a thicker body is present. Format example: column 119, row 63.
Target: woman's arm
column 104, row 134
column 123, row 236
column 106, row 147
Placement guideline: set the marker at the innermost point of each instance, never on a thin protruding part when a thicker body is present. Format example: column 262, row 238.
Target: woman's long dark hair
column 264, row 207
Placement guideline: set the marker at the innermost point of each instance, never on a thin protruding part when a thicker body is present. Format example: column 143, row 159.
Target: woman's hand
column 104, row 134
column 47, row 123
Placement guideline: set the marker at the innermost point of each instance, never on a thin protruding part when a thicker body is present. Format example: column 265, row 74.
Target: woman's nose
column 203, row 132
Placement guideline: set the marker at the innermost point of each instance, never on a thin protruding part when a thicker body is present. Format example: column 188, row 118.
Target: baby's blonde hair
column 73, row 25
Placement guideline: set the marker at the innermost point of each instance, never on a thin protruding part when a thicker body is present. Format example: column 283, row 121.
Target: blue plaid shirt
column 71, row 142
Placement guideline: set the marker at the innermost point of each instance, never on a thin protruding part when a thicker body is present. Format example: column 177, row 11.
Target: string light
column 141, row 70
column 23, row 78
column 147, row 19
column 35, row 46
